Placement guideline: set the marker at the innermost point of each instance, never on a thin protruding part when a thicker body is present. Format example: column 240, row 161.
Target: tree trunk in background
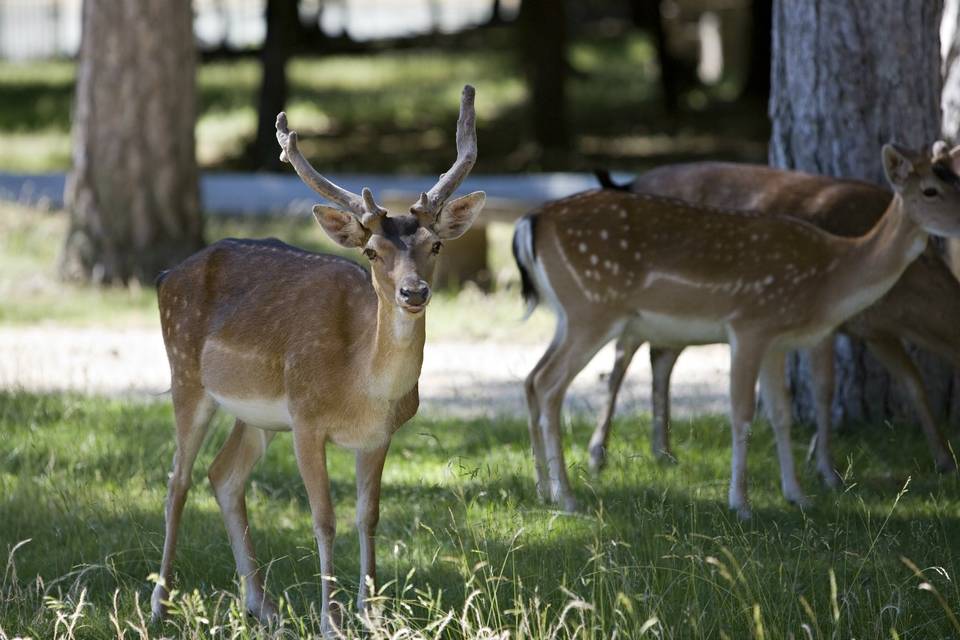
column 847, row 77
column 757, row 84
column 282, row 22
column 542, row 29
column 647, row 15
column 133, row 192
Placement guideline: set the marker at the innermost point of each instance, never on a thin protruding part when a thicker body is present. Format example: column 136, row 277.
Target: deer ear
column 896, row 165
column 342, row 227
column 457, row 216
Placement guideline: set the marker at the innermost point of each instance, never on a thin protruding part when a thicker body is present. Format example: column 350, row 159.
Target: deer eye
column 930, row 192
column 435, row 249
column 370, row 253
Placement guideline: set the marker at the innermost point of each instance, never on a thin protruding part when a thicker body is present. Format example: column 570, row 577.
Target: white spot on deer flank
column 623, row 243
column 594, row 259
column 603, row 234
column 583, row 247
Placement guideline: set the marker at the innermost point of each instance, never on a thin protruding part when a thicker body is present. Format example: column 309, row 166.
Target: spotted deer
column 288, row 340
column 922, row 307
column 683, row 274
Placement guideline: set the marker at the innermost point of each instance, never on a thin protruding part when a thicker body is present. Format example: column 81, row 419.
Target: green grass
column 393, row 111
column 82, row 482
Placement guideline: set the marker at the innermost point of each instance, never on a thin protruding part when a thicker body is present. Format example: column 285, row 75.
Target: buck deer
column 687, row 274
column 288, row 340
column 923, row 306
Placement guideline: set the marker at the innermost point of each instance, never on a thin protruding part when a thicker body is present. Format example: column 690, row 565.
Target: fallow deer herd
column 767, row 261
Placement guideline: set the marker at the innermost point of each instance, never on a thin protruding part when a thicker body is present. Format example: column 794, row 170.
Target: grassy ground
column 462, row 538
column 369, row 112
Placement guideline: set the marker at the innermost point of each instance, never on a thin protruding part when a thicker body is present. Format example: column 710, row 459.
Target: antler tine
column 310, row 176
column 373, row 212
column 430, row 203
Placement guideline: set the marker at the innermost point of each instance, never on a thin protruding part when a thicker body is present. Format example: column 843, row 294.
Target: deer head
column 402, row 249
column 928, row 185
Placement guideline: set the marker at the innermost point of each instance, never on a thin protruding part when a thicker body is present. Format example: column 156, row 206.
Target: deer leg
column 892, row 354
column 821, row 366
column 551, row 382
column 627, row 345
column 533, row 405
column 228, row 475
column 776, row 397
column 310, row 449
column 662, row 360
column 369, row 472
column 746, row 356
column 192, row 410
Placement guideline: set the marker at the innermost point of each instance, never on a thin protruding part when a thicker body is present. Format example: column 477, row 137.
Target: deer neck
column 878, row 259
column 397, row 354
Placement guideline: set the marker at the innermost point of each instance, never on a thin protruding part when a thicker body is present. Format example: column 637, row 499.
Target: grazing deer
column 686, row 274
column 922, row 307
column 288, row 340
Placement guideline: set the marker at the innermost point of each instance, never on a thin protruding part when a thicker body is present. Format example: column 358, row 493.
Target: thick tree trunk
column 543, row 42
column 847, row 77
column 133, row 192
column 282, row 31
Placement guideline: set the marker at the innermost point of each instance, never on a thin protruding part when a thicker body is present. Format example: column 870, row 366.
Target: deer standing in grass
column 922, row 307
column 288, row 340
column 686, row 274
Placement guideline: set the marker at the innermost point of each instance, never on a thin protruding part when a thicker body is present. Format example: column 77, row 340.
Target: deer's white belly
column 265, row 413
column 667, row 330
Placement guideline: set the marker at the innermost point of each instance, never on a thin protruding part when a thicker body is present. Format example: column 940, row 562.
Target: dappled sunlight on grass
column 84, row 480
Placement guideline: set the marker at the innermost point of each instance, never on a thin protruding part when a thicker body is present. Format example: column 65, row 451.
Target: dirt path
column 459, row 379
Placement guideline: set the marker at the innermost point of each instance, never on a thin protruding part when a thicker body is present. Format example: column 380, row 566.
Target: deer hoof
column 598, row 458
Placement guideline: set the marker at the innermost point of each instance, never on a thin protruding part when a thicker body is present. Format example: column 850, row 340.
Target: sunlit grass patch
column 465, row 548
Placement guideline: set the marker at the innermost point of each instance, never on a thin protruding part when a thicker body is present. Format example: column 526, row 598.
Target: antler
column 428, row 206
column 363, row 207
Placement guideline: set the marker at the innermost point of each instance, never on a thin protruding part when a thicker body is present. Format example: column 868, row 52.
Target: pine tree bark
column 848, row 77
column 133, row 192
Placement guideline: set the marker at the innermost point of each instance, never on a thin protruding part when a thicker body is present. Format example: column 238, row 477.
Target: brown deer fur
column 686, row 274
column 288, row 340
column 921, row 307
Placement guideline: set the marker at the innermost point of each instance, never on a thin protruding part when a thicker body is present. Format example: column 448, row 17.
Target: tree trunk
column 133, row 192
column 847, row 77
column 648, row 15
column 757, row 84
column 542, row 26
column 282, row 22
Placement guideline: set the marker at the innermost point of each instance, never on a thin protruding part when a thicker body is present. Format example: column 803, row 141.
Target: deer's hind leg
column 228, row 475
column 192, row 409
column 627, row 345
column 550, row 381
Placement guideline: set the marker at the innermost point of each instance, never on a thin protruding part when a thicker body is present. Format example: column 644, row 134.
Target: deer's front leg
column 746, row 354
column 821, row 367
column 369, row 472
column 310, row 448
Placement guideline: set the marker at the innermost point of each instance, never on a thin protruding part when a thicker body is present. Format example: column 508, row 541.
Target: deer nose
column 415, row 294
